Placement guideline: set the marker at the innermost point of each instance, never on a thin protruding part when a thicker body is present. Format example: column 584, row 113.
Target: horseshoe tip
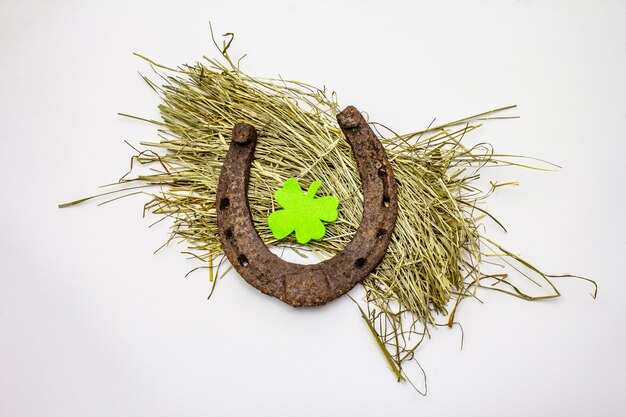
column 244, row 133
column 349, row 118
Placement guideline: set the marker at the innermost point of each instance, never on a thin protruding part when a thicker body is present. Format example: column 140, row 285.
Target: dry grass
column 437, row 253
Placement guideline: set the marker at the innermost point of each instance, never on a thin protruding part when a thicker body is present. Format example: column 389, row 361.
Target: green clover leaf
column 302, row 212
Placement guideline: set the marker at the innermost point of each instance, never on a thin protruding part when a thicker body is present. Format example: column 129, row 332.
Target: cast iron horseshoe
column 308, row 285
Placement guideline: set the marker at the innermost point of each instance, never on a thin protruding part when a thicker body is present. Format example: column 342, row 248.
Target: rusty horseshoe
column 316, row 284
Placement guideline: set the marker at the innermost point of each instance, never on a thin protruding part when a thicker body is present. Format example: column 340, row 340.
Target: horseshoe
column 316, row 284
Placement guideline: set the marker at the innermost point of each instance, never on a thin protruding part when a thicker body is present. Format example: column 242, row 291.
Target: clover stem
column 310, row 194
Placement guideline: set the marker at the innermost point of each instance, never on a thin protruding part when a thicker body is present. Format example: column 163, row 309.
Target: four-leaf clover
column 302, row 212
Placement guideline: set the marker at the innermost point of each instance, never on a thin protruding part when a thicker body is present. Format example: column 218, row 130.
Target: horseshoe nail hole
column 359, row 263
column 243, row 260
column 382, row 172
column 381, row 233
column 386, row 200
column 224, row 203
column 228, row 233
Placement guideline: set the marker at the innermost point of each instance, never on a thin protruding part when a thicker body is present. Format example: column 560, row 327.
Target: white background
column 92, row 324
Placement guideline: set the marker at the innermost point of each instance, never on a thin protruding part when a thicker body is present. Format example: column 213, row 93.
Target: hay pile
column 436, row 256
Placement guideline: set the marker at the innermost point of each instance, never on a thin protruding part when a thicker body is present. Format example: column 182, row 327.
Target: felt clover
column 302, row 212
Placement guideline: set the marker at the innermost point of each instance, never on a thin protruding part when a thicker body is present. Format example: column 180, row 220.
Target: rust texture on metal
column 308, row 285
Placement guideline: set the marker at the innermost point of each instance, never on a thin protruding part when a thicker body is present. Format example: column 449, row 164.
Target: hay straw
column 437, row 254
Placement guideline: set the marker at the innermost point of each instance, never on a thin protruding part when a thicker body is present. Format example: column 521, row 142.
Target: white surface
column 92, row 324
